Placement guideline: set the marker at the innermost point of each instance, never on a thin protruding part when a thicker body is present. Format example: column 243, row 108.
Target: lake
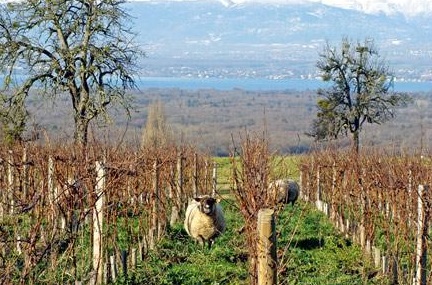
column 254, row 84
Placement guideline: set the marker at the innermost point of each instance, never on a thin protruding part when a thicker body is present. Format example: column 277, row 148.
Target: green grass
column 224, row 172
column 316, row 253
column 283, row 166
column 178, row 260
column 309, row 248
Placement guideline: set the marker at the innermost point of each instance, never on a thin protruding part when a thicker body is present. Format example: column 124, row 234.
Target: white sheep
column 204, row 219
column 284, row 191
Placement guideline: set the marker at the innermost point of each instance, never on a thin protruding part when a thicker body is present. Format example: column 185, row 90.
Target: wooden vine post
column 53, row 194
column 98, row 223
column 25, row 173
column 214, row 179
column 318, row 197
column 422, row 234
column 10, row 187
column 195, row 176
column 266, row 248
column 154, row 226
column 175, row 192
column 181, row 197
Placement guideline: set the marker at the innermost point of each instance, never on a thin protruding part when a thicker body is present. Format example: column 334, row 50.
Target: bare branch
column 83, row 47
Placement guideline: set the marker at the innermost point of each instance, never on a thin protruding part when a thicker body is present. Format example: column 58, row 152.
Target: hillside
column 211, row 119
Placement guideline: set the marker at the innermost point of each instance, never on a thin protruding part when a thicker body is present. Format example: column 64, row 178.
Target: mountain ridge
column 207, row 39
column 409, row 8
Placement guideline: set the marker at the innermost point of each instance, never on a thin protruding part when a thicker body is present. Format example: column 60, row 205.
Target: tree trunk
column 356, row 141
column 81, row 130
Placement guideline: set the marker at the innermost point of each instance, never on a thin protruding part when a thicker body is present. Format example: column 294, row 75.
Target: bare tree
column 156, row 132
column 361, row 91
column 84, row 48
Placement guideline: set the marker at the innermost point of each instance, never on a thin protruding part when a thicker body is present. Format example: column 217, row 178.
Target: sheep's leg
column 210, row 243
column 201, row 241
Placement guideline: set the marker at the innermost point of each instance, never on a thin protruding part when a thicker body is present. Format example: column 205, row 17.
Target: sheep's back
column 293, row 190
column 219, row 220
column 284, row 190
column 198, row 224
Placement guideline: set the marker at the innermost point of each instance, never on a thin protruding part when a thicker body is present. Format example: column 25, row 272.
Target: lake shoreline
column 260, row 84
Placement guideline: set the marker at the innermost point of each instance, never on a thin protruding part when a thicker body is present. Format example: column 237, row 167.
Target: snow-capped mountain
column 409, row 8
column 389, row 7
column 227, row 38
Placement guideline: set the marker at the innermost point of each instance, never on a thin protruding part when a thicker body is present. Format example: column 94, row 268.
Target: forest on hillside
column 214, row 120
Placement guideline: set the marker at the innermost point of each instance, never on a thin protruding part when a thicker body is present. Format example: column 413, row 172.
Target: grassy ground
column 310, row 250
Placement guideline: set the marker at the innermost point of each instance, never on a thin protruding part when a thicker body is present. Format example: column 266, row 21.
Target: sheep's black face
column 207, row 204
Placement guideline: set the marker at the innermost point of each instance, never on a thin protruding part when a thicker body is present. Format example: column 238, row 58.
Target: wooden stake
column 11, row 200
column 301, row 194
column 113, row 268
column 267, row 258
column 182, row 199
column 153, row 234
column 214, row 179
column 98, row 223
column 195, row 176
column 376, row 256
column 174, row 200
column 134, row 258
column 25, row 174
column 422, row 234
column 318, row 201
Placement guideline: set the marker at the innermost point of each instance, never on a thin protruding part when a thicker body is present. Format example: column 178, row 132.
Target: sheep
column 284, row 191
column 204, row 219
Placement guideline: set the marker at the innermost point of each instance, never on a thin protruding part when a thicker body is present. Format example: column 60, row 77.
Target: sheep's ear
column 198, row 199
